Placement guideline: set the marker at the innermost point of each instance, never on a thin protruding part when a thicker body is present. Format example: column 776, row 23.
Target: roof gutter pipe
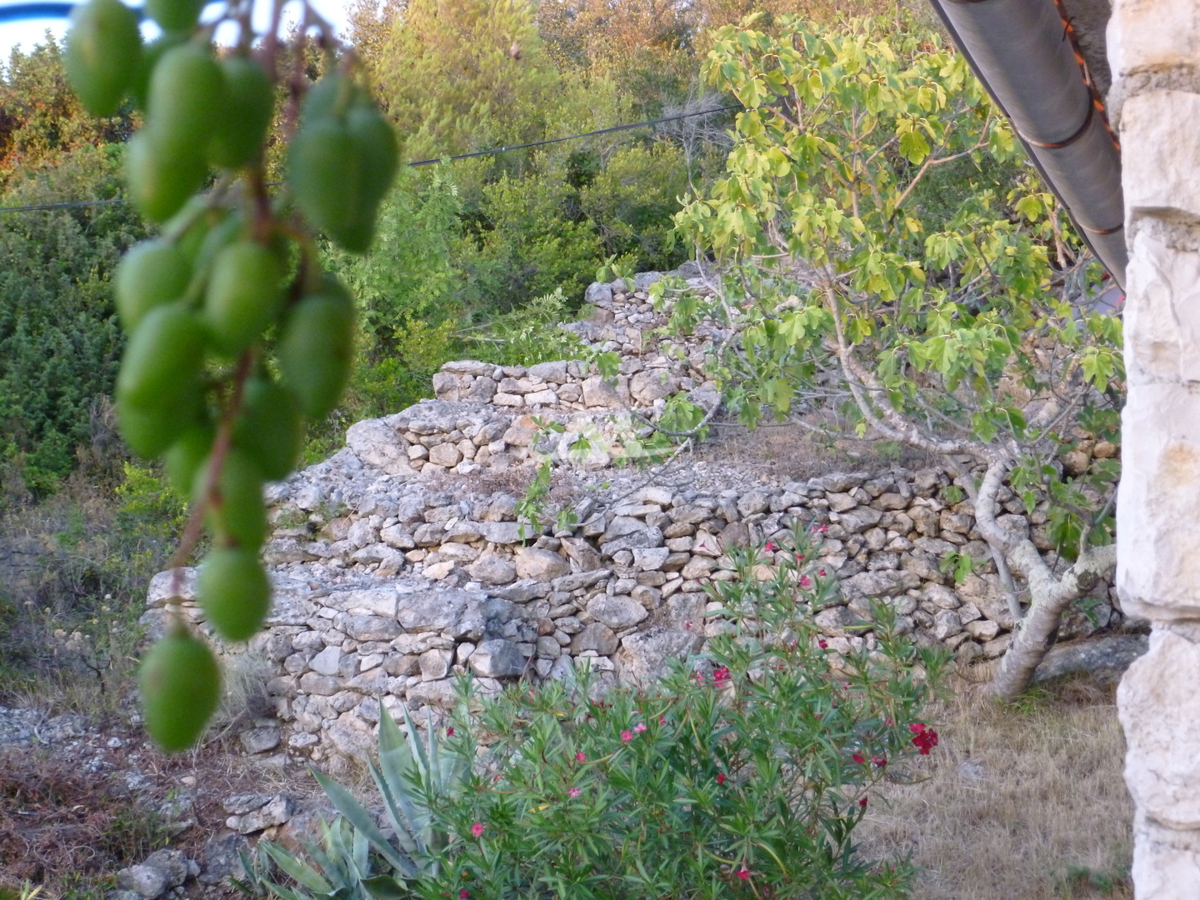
column 1021, row 52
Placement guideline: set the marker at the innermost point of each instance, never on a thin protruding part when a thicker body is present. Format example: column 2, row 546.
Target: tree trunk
column 1035, row 634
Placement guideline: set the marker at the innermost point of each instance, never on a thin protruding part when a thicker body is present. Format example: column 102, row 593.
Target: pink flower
column 477, row 829
column 822, row 573
column 916, row 727
column 580, row 756
column 720, row 674
column 687, row 625
column 769, row 548
column 721, row 778
column 626, row 736
column 699, row 677
column 464, row 894
column 639, row 727
column 743, row 873
column 573, row 793
column 662, row 720
column 450, row 731
column 805, row 581
column 799, row 557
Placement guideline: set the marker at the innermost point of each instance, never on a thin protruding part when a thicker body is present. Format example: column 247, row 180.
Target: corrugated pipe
column 1022, row 52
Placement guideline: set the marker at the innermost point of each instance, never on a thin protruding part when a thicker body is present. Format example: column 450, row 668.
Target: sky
column 29, row 33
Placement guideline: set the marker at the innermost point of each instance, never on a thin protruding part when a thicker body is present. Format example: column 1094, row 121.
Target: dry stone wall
column 400, row 563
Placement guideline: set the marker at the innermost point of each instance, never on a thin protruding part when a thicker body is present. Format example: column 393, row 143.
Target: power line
column 81, row 204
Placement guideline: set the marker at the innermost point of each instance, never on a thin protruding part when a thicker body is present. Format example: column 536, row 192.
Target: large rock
column 376, row 443
column 492, row 569
column 432, row 610
column 643, row 657
column 497, row 658
column 541, row 565
column 616, row 612
column 145, row 881
column 596, row 637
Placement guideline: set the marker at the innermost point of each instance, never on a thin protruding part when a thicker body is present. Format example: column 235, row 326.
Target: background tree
column 59, row 340
column 880, row 260
column 463, row 75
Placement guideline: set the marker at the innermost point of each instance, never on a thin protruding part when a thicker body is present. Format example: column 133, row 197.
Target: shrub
column 744, row 773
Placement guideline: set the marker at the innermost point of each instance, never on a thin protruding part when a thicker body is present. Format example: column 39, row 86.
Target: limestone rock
column 377, row 444
column 431, row 610
column 173, row 864
column 595, row 636
column 616, row 612
column 492, row 569
column 643, row 657
column 540, row 565
column 145, row 881
column 497, row 658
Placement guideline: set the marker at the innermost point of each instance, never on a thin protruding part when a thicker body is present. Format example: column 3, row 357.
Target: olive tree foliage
column 885, row 258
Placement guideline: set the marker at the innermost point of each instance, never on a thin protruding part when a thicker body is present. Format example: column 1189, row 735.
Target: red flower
column 822, row 643
column 477, row 829
column 743, row 873
column 859, row 758
column 799, row 557
column 626, row 736
column 863, row 802
column 880, row 761
column 720, row 674
column 721, row 779
column 822, row 573
column 464, row 894
column 925, row 739
column 450, row 731
column 662, row 720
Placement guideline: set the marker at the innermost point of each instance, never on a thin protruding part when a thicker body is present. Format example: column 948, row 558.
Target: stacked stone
column 391, row 599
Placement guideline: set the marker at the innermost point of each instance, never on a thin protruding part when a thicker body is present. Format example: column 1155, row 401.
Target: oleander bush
column 743, row 773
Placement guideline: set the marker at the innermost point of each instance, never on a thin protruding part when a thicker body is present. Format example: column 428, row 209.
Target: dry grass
column 1020, row 802
column 792, row 451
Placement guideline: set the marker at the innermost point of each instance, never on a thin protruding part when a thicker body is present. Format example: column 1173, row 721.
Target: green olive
column 235, row 592
column 151, row 274
column 103, row 54
column 245, row 294
column 237, row 514
column 316, row 349
column 163, row 359
column 187, row 97
column 187, row 454
column 250, row 102
column 180, row 684
column 175, row 15
column 161, row 179
column 271, row 428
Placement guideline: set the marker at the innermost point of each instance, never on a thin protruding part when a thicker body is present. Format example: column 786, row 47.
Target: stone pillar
column 1154, row 50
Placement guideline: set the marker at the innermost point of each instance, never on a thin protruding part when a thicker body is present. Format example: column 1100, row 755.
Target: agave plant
column 412, row 774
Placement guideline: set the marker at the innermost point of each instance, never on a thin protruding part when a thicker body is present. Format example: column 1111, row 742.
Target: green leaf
column 914, row 147
column 381, row 887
